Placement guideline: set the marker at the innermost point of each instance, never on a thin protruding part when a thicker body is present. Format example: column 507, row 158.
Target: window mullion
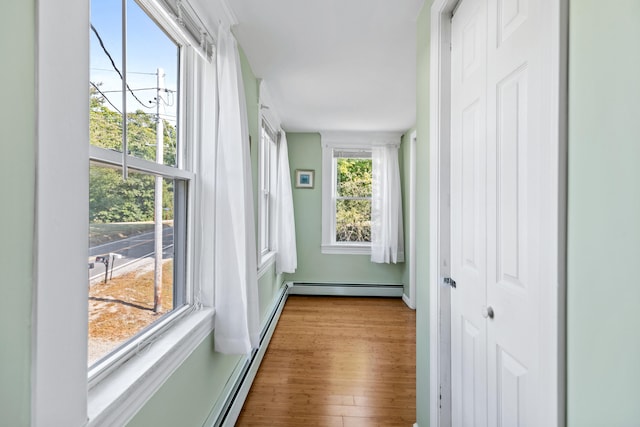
column 125, row 145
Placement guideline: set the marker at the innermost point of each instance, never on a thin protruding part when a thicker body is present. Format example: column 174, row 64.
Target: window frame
column 59, row 329
column 330, row 197
column 335, row 197
column 183, row 217
column 348, row 141
column 267, row 192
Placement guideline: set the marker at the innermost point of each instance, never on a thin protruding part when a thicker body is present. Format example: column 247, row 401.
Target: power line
column 105, row 97
column 113, row 64
column 128, row 72
column 139, row 89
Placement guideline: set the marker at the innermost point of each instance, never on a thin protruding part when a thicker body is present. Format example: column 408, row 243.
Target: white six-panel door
column 468, row 214
column 495, row 212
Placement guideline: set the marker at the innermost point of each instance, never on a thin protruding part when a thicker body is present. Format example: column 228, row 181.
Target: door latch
column 449, row 281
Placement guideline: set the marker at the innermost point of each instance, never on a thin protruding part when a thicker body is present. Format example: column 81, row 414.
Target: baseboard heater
column 346, row 289
column 228, row 408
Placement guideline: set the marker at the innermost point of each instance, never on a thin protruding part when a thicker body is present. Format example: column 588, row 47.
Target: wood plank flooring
column 337, row 361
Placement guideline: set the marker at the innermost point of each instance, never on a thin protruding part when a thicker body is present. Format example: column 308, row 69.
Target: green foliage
column 105, row 131
column 354, row 177
column 111, row 199
column 353, row 217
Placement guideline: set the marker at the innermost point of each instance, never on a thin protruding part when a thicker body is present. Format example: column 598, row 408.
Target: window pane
column 152, row 77
column 105, row 68
column 123, row 299
column 354, row 177
column 152, row 83
column 353, row 221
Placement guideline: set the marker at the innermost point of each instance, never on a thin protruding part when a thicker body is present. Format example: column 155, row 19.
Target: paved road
column 131, row 249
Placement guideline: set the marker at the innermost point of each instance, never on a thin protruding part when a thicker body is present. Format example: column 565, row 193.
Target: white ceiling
column 334, row 65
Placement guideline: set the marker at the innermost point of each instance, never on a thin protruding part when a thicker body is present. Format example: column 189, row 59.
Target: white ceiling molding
column 359, row 139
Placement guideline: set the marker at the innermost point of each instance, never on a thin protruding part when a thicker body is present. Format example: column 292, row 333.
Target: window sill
column 266, row 261
column 118, row 397
column 345, row 249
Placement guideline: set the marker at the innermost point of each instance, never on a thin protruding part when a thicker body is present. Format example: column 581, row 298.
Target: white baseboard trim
column 407, row 301
column 226, row 411
column 345, row 289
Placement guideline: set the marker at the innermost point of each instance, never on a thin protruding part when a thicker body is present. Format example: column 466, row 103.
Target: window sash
column 268, row 174
column 341, row 153
column 114, row 158
column 183, row 299
column 183, row 178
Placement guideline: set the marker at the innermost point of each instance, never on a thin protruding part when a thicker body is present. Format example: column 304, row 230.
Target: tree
column 353, row 214
column 111, row 199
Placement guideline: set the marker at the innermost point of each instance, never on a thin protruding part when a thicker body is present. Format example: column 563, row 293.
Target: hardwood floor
column 337, row 361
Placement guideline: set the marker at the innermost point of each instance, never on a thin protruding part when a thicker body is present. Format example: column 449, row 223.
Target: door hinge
column 449, row 281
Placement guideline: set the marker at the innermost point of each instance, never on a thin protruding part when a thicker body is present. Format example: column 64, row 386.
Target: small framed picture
column 304, row 178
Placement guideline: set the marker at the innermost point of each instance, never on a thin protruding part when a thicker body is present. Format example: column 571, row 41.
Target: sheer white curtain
column 206, row 177
column 284, row 221
column 286, row 256
column 236, row 283
column 387, row 241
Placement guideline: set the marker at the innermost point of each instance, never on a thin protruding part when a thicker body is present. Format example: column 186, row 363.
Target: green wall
column 17, row 192
column 305, row 152
column 422, row 217
column 188, row 396
column 269, row 283
column 405, row 179
column 604, row 214
column 251, row 92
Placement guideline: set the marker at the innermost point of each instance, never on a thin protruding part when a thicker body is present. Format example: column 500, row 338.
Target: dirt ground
column 123, row 306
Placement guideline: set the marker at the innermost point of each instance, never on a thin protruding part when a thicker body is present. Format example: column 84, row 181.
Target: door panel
column 471, row 192
column 468, row 220
column 513, row 211
column 511, row 14
column 511, row 197
column 473, row 358
column 511, row 390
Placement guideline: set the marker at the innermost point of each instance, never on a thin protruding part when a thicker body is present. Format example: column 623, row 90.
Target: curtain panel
column 286, row 255
column 387, row 241
column 236, row 285
column 206, row 179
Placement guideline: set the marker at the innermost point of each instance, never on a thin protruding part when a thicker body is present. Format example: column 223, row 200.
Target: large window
column 83, row 201
column 268, row 168
column 347, row 174
column 138, row 183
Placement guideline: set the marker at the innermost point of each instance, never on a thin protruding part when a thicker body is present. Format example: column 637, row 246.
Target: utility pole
column 157, row 279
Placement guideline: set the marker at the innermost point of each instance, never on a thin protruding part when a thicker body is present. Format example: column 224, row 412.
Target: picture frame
column 305, row 178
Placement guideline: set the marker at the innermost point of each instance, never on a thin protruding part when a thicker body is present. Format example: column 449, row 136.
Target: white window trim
column 116, row 400
column 344, row 140
column 267, row 261
column 59, row 346
column 266, row 250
